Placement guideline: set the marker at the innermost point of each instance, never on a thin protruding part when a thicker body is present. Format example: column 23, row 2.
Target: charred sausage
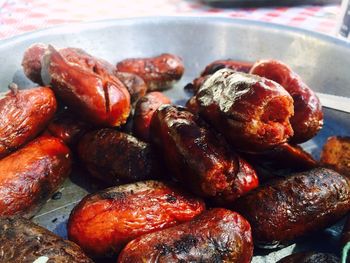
column 24, row 114
column 251, row 112
column 198, row 158
column 144, row 111
column 32, row 174
column 336, row 154
column 217, row 235
column 283, row 210
column 310, row 257
column 308, row 115
column 241, row 66
column 23, row 241
column 104, row 222
column 115, row 157
column 99, row 97
column 158, row 72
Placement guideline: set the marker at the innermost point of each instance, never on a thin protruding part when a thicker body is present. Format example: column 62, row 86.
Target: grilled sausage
column 144, row 111
column 115, row 157
column 308, row 115
column 236, row 65
column 32, row 174
column 251, row 112
column 24, row 114
column 159, row 72
column 98, row 97
column 198, row 158
column 310, row 257
column 22, row 241
column 104, row 222
column 135, row 85
column 283, row 210
column 67, row 127
column 31, row 62
column 336, row 154
column 217, row 235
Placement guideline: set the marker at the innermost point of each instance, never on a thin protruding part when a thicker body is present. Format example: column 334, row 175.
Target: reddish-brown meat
column 308, row 116
column 288, row 208
column 22, row 241
column 336, row 154
column 236, row 65
column 97, row 97
column 104, row 222
column 24, row 114
column 32, row 174
column 67, row 127
column 159, row 72
column 217, row 235
column 251, row 112
column 198, row 158
column 115, row 157
column 144, row 111
column 310, row 257
column 135, row 85
column 31, row 62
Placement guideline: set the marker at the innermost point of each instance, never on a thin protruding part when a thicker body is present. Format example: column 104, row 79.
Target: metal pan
column 321, row 60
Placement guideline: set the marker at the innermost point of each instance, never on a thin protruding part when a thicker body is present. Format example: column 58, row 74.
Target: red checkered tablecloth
column 19, row 16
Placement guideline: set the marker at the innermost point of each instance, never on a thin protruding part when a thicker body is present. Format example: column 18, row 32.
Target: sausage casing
column 217, row 235
column 285, row 209
column 144, row 111
column 24, row 114
column 32, row 174
column 23, row 241
column 251, row 112
column 310, row 257
column 104, row 222
column 241, row 66
column 198, row 158
column 158, row 72
column 308, row 115
column 116, row 157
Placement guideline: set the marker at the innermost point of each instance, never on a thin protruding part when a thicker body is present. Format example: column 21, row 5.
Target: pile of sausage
column 201, row 183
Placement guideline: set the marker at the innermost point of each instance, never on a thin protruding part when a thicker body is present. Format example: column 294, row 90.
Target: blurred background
column 20, row 16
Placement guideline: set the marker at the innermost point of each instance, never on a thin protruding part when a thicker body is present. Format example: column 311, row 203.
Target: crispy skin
column 198, row 158
column 285, row 209
column 217, row 235
column 241, row 66
column 280, row 161
column 144, row 111
column 23, row 241
column 99, row 97
column 251, row 112
column 102, row 223
column 336, row 154
column 135, row 85
column 308, row 115
column 115, row 157
column 67, row 127
column 24, row 114
column 32, row 174
column 158, row 72
column 310, row 257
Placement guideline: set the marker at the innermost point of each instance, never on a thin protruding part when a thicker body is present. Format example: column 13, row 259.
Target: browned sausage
column 96, row 96
column 144, row 111
column 308, row 116
column 31, row 62
column 135, row 85
column 310, row 257
column 22, row 241
column 285, row 209
column 251, row 112
column 104, row 222
column 32, row 174
column 336, row 154
column 24, row 114
column 115, row 157
column 241, row 66
column 159, row 72
column 217, row 235
column 198, row 158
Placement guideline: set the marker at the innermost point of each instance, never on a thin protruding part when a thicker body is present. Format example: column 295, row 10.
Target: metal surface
column 322, row 61
column 334, row 102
